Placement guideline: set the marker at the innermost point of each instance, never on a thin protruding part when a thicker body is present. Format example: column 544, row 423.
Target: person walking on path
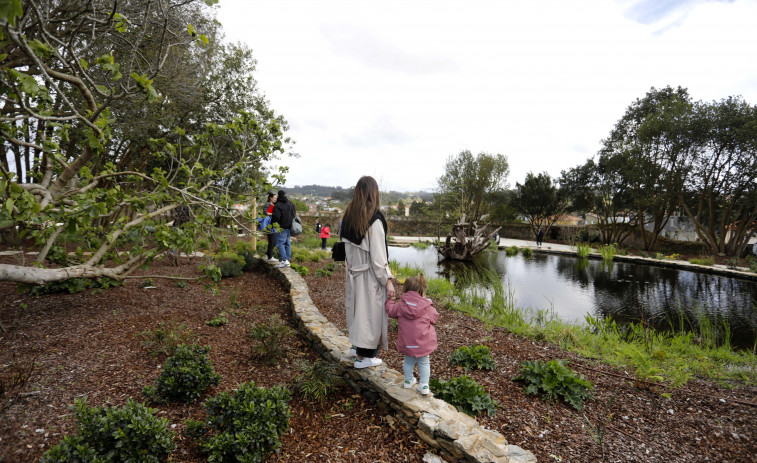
column 416, row 336
column 368, row 279
column 325, row 235
column 539, row 236
column 282, row 217
column 268, row 208
column 317, row 226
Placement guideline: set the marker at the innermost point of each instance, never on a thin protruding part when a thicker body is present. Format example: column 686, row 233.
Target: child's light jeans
column 424, row 368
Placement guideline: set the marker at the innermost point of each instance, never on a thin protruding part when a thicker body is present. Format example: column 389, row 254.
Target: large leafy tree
column 720, row 193
column 539, row 200
column 107, row 126
column 600, row 190
column 647, row 148
column 468, row 182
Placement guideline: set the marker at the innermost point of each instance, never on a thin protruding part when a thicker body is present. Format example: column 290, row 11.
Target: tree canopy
column 116, row 113
column 468, row 181
column 539, row 200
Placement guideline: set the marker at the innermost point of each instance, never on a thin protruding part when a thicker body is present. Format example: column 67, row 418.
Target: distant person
column 539, row 236
column 317, row 226
column 283, row 215
column 325, row 235
column 416, row 337
column 496, row 238
column 368, row 277
column 268, row 208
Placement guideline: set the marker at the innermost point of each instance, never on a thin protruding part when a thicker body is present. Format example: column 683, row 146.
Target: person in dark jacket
column 539, row 237
column 282, row 218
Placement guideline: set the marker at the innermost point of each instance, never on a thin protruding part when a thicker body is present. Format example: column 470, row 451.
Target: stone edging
column 454, row 435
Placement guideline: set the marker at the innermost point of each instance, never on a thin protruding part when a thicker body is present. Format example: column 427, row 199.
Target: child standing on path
column 325, row 235
column 416, row 317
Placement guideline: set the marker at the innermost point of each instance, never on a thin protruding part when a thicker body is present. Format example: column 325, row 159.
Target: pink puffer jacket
column 416, row 317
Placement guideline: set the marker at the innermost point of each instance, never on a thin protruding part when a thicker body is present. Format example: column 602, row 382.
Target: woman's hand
column 389, row 289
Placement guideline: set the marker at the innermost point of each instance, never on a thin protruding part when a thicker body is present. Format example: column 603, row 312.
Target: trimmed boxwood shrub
column 246, row 425
column 112, row 434
column 186, row 375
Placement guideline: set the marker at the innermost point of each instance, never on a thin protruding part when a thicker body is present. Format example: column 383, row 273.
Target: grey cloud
column 375, row 52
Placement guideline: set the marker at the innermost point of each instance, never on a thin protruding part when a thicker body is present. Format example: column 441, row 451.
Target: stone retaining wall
column 453, row 435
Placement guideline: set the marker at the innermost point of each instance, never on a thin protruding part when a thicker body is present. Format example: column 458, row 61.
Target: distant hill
column 322, row 190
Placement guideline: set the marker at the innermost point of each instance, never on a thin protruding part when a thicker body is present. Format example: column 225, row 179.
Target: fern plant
column 473, row 357
column 554, row 381
column 317, row 380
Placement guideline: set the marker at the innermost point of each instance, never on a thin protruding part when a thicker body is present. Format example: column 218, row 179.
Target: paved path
column 503, row 243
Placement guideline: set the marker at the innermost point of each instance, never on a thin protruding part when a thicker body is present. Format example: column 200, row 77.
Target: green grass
column 401, row 273
column 702, row 261
column 421, row 245
column 692, row 349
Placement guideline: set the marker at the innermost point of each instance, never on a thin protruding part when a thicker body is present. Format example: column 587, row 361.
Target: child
column 416, row 317
column 325, row 235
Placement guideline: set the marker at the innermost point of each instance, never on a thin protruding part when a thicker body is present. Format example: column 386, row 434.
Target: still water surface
column 575, row 287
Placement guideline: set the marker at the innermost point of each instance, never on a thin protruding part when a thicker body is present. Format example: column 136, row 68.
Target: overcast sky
column 393, row 88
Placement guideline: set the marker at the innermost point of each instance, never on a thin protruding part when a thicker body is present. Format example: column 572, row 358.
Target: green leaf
column 83, row 63
column 3, row 56
column 9, row 205
column 11, row 9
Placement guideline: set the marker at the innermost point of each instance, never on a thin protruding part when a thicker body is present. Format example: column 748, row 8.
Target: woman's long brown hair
column 365, row 203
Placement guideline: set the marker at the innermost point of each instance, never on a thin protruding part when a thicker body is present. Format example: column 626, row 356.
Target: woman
column 268, row 208
column 368, row 277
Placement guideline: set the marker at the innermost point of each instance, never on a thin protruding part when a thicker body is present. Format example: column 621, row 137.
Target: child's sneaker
column 424, row 389
column 367, row 362
column 409, row 384
column 353, row 352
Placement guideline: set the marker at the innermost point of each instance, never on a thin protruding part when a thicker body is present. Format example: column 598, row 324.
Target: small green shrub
column 393, row 325
column 512, row 251
column 473, row 357
column 527, row 252
column 185, row 376
column 327, row 270
column 301, row 269
column 246, row 426
column 211, row 271
column 58, row 255
column 164, row 339
column 147, row 283
column 421, row 245
column 73, row 285
column 194, row 429
column 270, row 337
column 554, row 381
column 317, row 380
column 203, row 244
column 466, row 394
column 732, row 263
column 702, row 261
column 230, row 263
column 218, row 320
column 751, row 263
column 112, row 434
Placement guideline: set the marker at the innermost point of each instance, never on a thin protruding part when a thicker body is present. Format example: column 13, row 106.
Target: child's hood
column 413, row 305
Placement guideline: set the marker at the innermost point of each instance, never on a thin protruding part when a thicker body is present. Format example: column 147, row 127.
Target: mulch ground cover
column 87, row 345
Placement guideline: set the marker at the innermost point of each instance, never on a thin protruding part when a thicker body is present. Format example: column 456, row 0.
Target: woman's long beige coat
column 367, row 274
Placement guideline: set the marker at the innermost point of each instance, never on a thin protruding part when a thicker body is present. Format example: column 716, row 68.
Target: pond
column 573, row 288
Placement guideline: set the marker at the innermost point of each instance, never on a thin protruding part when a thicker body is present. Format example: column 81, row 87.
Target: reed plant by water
column 583, row 249
column 702, row 261
column 511, row 251
column 607, row 251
